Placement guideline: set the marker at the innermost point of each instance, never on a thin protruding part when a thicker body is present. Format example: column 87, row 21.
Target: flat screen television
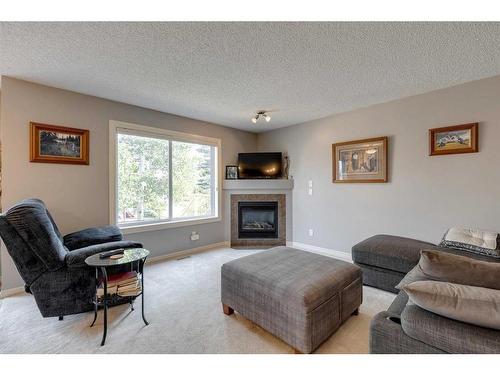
column 259, row 165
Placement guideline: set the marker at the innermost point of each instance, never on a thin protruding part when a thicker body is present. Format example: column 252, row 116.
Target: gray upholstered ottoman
column 296, row 295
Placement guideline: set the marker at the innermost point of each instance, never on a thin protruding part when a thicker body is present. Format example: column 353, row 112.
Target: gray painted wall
column 425, row 195
column 77, row 196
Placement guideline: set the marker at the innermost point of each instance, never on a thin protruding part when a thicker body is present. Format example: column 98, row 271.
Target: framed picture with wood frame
column 58, row 144
column 363, row 160
column 457, row 139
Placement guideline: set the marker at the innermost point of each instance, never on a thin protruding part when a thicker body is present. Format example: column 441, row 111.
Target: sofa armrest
column 387, row 337
column 449, row 335
column 76, row 258
column 92, row 236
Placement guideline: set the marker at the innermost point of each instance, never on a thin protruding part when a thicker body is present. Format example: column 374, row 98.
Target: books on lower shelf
column 126, row 284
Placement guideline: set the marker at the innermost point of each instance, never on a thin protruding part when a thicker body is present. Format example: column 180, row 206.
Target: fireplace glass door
column 258, row 219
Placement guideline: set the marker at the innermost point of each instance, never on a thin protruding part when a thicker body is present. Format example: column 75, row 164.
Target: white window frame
column 114, row 127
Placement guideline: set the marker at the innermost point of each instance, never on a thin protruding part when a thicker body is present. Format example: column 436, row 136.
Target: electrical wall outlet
column 311, row 232
column 310, row 187
column 195, row 236
column 310, row 192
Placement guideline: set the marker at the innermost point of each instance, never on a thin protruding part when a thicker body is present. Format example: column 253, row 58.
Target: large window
column 162, row 177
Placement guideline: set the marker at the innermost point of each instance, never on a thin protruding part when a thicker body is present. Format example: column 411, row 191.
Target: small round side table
column 136, row 256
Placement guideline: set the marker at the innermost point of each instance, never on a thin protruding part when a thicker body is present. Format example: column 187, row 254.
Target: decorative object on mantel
column 58, row 144
column 457, row 139
column 286, row 166
column 231, row 172
column 364, row 160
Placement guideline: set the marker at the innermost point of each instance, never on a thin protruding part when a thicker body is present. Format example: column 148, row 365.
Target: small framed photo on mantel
column 231, row 172
column 58, row 144
column 457, row 139
column 363, row 160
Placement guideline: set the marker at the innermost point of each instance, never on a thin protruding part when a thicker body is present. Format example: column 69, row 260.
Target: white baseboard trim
column 159, row 258
column 321, row 250
column 4, row 293
column 187, row 252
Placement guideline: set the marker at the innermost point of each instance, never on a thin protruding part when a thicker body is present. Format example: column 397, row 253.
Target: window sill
column 167, row 225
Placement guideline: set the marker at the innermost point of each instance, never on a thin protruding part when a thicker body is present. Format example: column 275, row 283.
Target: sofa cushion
column 387, row 337
column 445, row 266
column 415, row 274
column 398, row 305
column 436, row 265
column 448, row 335
column 470, row 304
column 475, row 241
column 391, row 252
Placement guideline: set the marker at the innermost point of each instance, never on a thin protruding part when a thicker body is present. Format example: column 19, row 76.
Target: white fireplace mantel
column 264, row 184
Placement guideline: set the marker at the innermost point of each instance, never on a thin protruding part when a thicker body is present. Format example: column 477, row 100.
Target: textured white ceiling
column 225, row 72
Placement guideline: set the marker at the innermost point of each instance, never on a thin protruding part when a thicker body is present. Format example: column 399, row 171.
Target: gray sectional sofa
column 406, row 328
column 386, row 259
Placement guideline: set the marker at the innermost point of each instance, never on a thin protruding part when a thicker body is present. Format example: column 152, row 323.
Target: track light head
column 259, row 115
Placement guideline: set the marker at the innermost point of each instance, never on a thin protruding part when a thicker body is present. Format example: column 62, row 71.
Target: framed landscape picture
column 58, row 144
column 458, row 139
column 364, row 160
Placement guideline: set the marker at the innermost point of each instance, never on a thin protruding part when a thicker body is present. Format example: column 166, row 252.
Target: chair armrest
column 76, row 258
column 92, row 236
column 449, row 335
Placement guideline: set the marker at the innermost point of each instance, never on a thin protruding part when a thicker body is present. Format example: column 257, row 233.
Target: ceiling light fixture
column 259, row 115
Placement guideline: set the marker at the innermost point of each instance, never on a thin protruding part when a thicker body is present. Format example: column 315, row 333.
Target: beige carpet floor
column 184, row 310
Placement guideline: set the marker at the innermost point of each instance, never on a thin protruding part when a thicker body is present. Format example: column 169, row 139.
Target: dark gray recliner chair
column 53, row 267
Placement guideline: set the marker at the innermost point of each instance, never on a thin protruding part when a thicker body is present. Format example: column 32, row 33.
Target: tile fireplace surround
column 258, row 242
column 279, row 190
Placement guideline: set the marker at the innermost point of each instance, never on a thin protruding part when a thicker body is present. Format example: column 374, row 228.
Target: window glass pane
column 191, row 179
column 142, row 179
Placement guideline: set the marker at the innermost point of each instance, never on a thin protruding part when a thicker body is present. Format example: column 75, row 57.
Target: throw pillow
column 441, row 266
column 476, row 241
column 469, row 304
column 415, row 274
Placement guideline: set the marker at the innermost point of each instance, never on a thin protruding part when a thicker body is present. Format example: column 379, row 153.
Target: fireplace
column 258, row 219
